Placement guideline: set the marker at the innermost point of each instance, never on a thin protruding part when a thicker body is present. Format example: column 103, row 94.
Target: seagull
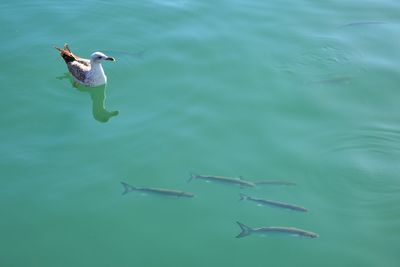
column 84, row 71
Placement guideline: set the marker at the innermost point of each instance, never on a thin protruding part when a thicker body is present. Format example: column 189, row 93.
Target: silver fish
column 222, row 179
column 159, row 191
column 361, row 23
column 334, row 80
column 265, row 202
column 246, row 230
column 274, row 182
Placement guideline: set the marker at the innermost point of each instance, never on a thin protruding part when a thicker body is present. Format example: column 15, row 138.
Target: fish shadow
column 98, row 96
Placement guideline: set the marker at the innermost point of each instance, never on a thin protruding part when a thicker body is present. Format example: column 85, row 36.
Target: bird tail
column 66, row 48
column 66, row 53
column 246, row 230
column 59, row 49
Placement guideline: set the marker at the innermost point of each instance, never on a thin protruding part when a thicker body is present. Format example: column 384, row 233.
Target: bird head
column 97, row 57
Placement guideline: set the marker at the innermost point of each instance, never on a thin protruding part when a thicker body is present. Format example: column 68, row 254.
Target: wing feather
column 78, row 70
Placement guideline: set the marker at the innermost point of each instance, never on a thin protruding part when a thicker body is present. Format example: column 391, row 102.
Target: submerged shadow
column 98, row 96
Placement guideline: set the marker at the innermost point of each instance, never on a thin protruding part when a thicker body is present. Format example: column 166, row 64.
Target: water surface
column 299, row 91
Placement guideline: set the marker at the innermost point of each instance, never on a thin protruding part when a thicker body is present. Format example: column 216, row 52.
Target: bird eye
column 98, row 57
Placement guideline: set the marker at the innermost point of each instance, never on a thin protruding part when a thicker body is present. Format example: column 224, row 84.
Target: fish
column 157, row 191
column 227, row 180
column 334, row 80
column 360, row 23
column 138, row 54
column 246, row 230
column 264, row 202
column 274, row 182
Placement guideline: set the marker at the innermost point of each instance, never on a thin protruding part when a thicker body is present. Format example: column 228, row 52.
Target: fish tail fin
column 127, row 188
column 245, row 230
column 243, row 197
column 192, row 176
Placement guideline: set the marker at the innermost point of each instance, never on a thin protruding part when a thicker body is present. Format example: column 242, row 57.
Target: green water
column 301, row 91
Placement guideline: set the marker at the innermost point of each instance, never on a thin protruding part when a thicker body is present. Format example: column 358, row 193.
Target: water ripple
column 377, row 139
column 366, row 161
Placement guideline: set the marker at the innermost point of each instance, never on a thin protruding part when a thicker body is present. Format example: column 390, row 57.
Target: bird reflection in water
column 98, row 96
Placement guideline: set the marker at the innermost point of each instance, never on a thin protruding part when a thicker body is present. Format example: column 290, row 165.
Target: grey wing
column 78, row 70
column 83, row 61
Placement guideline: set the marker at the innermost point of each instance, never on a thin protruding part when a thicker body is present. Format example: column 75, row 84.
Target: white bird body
column 84, row 71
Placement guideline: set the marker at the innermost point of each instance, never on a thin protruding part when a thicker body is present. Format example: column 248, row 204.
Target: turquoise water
column 301, row 91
